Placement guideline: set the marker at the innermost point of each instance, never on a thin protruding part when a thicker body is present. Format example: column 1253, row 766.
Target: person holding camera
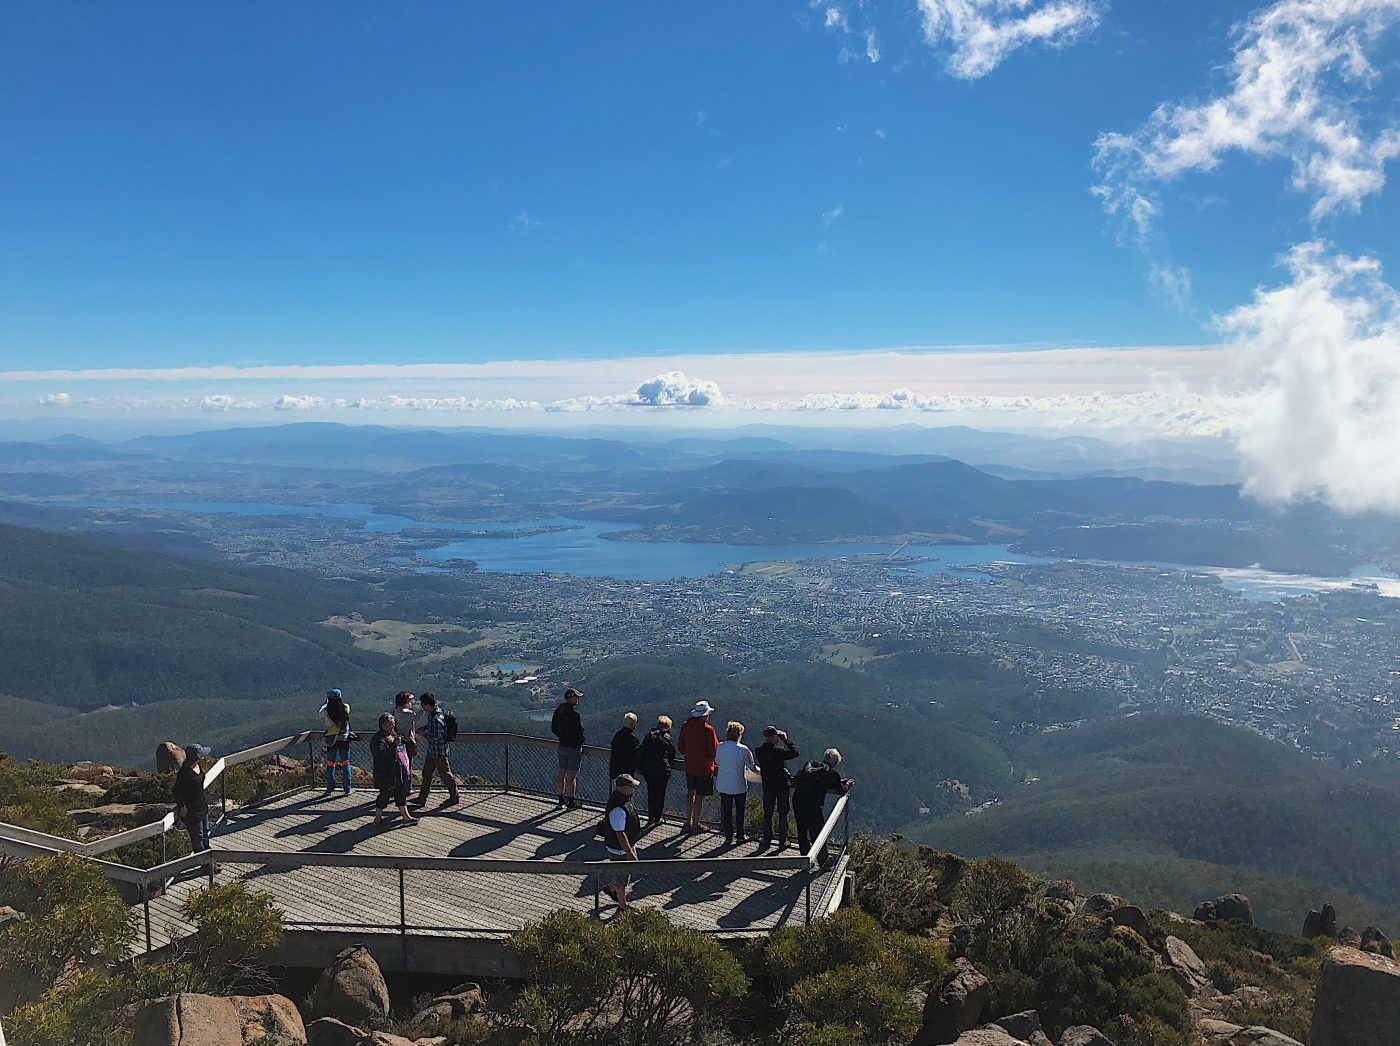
column 772, row 757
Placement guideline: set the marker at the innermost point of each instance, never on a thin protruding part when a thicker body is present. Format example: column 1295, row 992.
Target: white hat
column 702, row 708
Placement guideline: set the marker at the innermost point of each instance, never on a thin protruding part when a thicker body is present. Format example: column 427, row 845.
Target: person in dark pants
column 813, row 783
column 620, row 830
column 658, row 759
column 567, row 725
column 625, row 749
column 433, row 729
column 392, row 773
column 191, row 804
column 773, row 756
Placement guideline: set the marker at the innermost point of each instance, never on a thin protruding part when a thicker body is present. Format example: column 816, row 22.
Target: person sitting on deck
column 698, row 744
column 813, row 783
column 406, row 721
column 567, row 725
column 773, row 756
column 656, row 761
column 619, row 830
column 336, row 739
column 734, row 763
column 392, row 775
column 625, row 749
column 435, row 739
column 191, row 804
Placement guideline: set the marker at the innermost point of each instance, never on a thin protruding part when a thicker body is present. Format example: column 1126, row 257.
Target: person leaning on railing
column 810, row 787
column 191, row 804
column 433, row 729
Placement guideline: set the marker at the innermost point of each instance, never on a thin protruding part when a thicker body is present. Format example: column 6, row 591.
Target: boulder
column 1133, row 917
column 463, row 1001
column 1312, row 924
column 1229, row 906
column 1329, row 920
column 1372, row 940
column 1223, row 1033
column 1184, row 966
column 1348, row 937
column 1102, row 903
column 120, row 815
column 1083, row 1035
column 383, row 1038
column 169, row 757
column 1358, row 1000
column 954, row 1005
column 187, row 1020
column 352, row 989
column 1025, row 1027
column 327, row 1031
column 991, row 1035
column 269, row 1017
column 1063, row 891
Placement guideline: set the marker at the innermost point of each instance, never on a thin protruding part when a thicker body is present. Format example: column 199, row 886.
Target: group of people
column 710, row 765
column 402, row 732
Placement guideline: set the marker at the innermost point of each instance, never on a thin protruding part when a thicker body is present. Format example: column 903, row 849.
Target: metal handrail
column 818, row 847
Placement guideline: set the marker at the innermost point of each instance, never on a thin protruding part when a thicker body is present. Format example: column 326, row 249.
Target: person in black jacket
column 567, row 725
column 772, row 757
column 191, row 804
column 392, row 773
column 625, row 749
column 620, row 829
column 655, row 762
column 813, row 783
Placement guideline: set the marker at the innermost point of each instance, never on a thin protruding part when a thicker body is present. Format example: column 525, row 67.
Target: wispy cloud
column 56, row 399
column 1299, row 71
column 525, row 223
column 830, row 217
column 978, row 35
column 857, row 41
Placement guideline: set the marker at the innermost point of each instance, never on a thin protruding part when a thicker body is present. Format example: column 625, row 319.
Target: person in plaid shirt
column 432, row 728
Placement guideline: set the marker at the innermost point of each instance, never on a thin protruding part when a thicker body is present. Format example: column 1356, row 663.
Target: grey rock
column 1372, row 940
column 1024, row 1026
column 1348, row 937
column 271, row 1017
column 1230, row 906
column 1358, row 1000
column 1083, row 1035
column 1184, row 966
column 1329, row 920
column 330, row 1032
column 954, row 1005
column 1312, row 924
column 1102, row 903
column 1133, row 917
column 991, row 1035
column 187, row 1020
column 169, row 757
column 352, row 989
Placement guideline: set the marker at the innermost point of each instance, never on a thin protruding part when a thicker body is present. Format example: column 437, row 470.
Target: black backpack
column 449, row 727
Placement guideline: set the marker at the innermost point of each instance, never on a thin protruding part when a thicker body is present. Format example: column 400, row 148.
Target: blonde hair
column 734, row 730
column 663, row 721
column 630, row 719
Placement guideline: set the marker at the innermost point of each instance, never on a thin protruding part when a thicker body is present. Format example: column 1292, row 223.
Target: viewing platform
column 443, row 895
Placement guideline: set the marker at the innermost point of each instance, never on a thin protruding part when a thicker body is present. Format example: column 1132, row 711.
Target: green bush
column 1094, row 982
column 894, row 884
column 87, row 1011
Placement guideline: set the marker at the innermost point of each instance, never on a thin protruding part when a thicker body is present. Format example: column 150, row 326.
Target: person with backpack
column 620, row 828
column 698, row 744
column 336, row 738
column 191, row 804
column 438, row 731
column 772, row 757
column 656, row 761
column 734, row 763
column 810, row 787
column 625, row 749
column 567, row 726
column 392, row 772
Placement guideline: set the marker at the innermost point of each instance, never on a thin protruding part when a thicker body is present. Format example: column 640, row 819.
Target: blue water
column 581, row 551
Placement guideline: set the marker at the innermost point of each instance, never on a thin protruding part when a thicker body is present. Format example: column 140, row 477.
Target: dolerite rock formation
column 1358, row 1000
column 954, row 1005
column 352, row 989
column 1230, row 906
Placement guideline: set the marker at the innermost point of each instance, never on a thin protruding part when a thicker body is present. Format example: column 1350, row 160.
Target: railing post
column 163, row 837
column 403, row 924
column 807, row 893
column 310, row 764
column 507, row 781
column 223, row 795
column 597, row 897
column 146, row 906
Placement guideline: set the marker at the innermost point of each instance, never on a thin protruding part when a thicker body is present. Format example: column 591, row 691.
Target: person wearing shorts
column 567, row 726
column 697, row 745
column 620, row 830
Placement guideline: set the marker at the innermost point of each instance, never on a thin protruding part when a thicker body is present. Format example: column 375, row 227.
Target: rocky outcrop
column 1083, row 1035
column 120, row 815
column 1102, row 903
column 271, row 1018
column 327, row 1031
column 1184, row 966
column 988, row 1036
column 1024, row 1027
column 1222, row 1033
column 1377, row 943
column 352, row 989
column 169, row 757
column 1358, row 1000
column 1230, row 906
column 1133, row 917
column 462, row 1002
column 187, row 1020
column 954, row 1005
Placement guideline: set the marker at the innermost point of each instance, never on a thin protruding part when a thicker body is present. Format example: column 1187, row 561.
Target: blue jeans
column 338, row 755
column 198, row 827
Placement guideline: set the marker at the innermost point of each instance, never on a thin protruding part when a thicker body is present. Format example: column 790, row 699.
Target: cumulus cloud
column 674, row 389
column 1323, row 349
column 298, row 403
column 56, row 399
column 1300, row 70
column 978, row 35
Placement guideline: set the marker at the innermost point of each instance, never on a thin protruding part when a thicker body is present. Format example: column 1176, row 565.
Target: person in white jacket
column 734, row 762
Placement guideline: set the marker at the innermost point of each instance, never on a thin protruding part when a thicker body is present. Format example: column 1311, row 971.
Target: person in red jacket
column 698, row 743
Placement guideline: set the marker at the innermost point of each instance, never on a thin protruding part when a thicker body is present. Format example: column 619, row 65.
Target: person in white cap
column 698, row 744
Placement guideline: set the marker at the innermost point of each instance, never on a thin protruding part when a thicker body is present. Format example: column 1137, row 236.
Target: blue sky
column 323, row 184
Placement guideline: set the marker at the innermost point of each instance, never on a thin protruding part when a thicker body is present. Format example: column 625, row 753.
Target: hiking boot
column 450, row 802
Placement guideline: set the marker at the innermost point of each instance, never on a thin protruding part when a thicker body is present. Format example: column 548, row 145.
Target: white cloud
column 1323, row 354
column 525, row 223
column 872, row 46
column 674, row 389
column 829, row 217
column 979, row 34
column 56, row 399
column 454, row 404
column 836, row 18
column 1172, row 282
column 298, row 403
column 1300, row 70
